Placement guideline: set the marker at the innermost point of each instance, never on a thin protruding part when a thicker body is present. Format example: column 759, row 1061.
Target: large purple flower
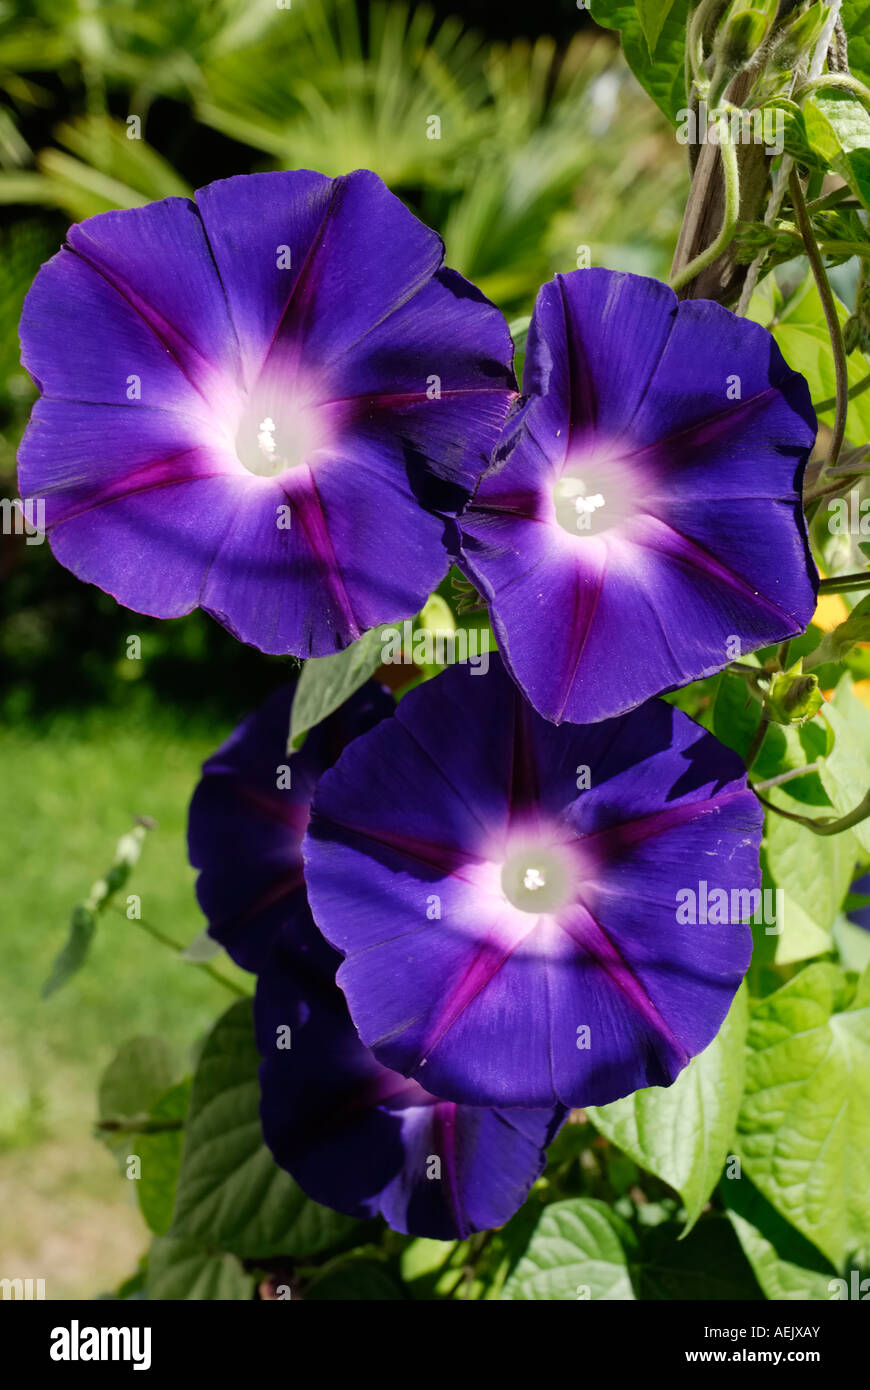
column 250, row 811
column 510, row 939
column 641, row 524
column 355, row 1136
column 363, row 1139
column 259, row 402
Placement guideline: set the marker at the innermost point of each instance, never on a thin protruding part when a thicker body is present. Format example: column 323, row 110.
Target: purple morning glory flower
column 260, row 402
column 250, row 811
column 354, row 1135
column 641, row 524
column 363, row 1139
column 514, row 899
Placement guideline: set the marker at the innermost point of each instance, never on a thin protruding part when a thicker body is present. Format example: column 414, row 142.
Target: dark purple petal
column 262, row 403
column 246, row 825
column 641, row 522
column 365, row 1140
column 489, row 911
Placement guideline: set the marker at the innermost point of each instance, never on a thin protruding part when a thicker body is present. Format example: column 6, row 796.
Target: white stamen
column 266, row 436
column 588, row 504
column 533, row 878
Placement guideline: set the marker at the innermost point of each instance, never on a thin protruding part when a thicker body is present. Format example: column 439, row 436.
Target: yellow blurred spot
column 830, row 610
column 861, row 690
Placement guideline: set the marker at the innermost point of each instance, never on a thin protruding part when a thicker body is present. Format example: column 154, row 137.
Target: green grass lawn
column 70, row 790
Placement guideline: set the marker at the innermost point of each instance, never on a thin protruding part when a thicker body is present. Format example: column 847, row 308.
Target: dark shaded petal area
column 264, row 403
column 365, row 1140
column 245, row 824
column 506, row 892
column 641, row 524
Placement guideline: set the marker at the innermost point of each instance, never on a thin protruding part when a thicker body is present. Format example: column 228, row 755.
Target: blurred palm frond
column 556, row 183
column 98, row 167
column 316, row 93
column 528, row 157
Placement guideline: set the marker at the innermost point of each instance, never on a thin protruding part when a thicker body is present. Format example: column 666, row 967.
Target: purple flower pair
column 504, row 893
column 275, row 402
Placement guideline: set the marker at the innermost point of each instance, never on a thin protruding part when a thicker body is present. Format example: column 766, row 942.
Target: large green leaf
column 736, row 712
column 137, row 1078
column 845, row 772
column 804, row 1126
column 140, row 1071
column 683, row 1133
column 231, row 1194
column 855, row 15
column 710, row 1265
column 853, row 945
column 577, row 1251
column 327, row 681
column 352, row 1280
column 798, row 325
column 814, row 873
column 663, row 79
column 160, row 1152
column 432, row 1268
column 837, row 129
column 785, row 1263
column 652, row 15
column 180, row 1269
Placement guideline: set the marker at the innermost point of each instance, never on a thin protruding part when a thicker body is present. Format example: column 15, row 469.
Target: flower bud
column 740, row 37
column 741, row 32
column 793, row 696
column 437, row 616
column 798, row 36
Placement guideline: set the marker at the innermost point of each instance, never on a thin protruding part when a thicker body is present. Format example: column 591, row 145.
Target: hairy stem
column 835, row 332
column 731, row 177
column 835, row 79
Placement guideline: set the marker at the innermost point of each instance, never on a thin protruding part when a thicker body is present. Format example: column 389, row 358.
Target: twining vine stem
column 857, row 390
column 832, row 320
column 823, row 825
column 842, row 584
column 731, row 176
column 177, row 947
